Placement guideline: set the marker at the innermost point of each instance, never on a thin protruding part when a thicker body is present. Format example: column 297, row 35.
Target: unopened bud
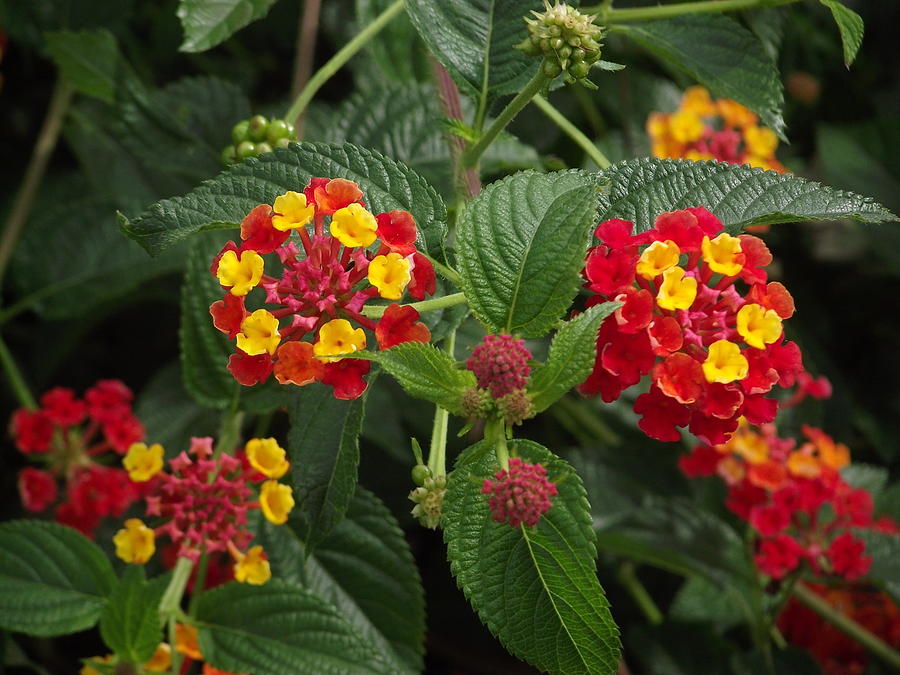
column 429, row 499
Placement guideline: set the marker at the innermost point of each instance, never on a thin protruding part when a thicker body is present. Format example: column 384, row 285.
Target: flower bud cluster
column 568, row 40
column 500, row 365
column 428, row 499
column 256, row 136
column 519, row 495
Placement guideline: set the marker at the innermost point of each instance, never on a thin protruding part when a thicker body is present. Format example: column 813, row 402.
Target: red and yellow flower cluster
column 72, row 438
column 204, row 500
column 722, row 129
column 323, row 282
column 794, row 498
column 713, row 353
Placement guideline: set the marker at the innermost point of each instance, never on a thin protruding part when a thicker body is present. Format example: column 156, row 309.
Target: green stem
column 448, row 273
column 377, row 311
column 170, row 605
column 848, row 626
column 581, row 413
column 230, row 426
column 16, row 381
column 573, row 132
column 495, row 432
column 199, row 582
column 607, row 15
column 627, row 576
column 34, row 173
column 336, row 62
column 437, row 450
column 470, row 156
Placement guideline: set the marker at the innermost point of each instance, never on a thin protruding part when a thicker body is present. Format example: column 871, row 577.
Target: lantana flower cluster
column 521, row 494
column 203, row 502
column 722, row 129
column 324, row 278
column 501, row 368
column 713, row 352
column 794, row 497
column 74, row 439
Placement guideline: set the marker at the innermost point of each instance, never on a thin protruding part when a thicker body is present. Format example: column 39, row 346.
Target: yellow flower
column 697, row 156
column 657, row 258
column 725, row 363
column 697, row 101
column 676, row 291
column 253, row 567
column 734, row 114
column 136, row 543
column 760, row 141
column 721, row 254
column 354, row 226
column 259, row 333
column 276, row 501
column 292, row 211
column 241, row 274
column 803, row 464
column 161, row 660
column 658, row 126
column 267, row 457
column 686, row 126
column 187, row 642
column 758, row 326
column 338, row 337
column 142, row 463
column 389, row 274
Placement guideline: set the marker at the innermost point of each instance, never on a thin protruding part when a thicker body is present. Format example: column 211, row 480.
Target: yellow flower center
column 676, row 291
column 241, row 274
column 721, row 254
column 389, row 274
column 686, row 126
column 725, row 363
column 758, row 326
column 267, row 457
column 657, row 258
column 292, row 211
column 354, row 226
column 136, row 543
column 276, row 501
column 338, row 337
column 259, row 334
column 142, row 463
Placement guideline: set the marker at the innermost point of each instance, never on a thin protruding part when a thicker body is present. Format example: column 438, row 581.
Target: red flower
column 257, row 231
column 661, row 415
column 397, row 230
column 519, row 495
column 121, row 432
column 297, row 364
column 108, row 399
column 37, row 489
column 332, row 194
column 702, row 461
column 63, row 409
column 346, row 376
column 778, row 556
column 423, row 280
column 846, row 557
column 400, row 324
column 228, row 313
column 32, row 430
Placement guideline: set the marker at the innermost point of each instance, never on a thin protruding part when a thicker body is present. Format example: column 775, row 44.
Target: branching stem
column 573, row 132
column 377, row 311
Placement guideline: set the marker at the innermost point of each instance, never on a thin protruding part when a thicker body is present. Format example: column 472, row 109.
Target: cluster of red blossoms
column 794, row 498
column 519, row 495
column 71, row 437
column 500, row 366
column 323, row 280
column 713, row 353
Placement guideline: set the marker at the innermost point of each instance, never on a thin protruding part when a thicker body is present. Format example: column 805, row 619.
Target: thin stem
column 467, row 182
column 377, row 311
column 16, row 380
column 170, row 605
column 627, row 576
column 336, row 62
column 607, row 15
column 199, row 582
column 437, row 450
column 847, row 626
column 34, row 173
column 573, row 132
column 470, row 157
column 230, row 427
column 448, row 273
column 587, row 419
column 305, row 51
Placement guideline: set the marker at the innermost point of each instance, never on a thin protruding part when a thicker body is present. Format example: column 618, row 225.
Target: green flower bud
column 239, row 131
column 278, row 129
column 429, row 499
column 283, row 142
column 564, row 52
column 245, row 149
column 579, row 70
column 263, row 148
column 258, row 126
column 557, row 43
column 420, row 473
column 229, row 155
column 551, row 69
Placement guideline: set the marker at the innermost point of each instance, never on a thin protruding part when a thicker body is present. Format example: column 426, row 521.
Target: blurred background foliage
column 80, row 302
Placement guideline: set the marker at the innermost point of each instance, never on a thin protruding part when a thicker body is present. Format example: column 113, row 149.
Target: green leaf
column 28, row 22
column 130, row 624
column 53, row 580
column 366, row 570
column 425, row 372
column 866, row 476
column 640, row 189
column 474, row 40
column 535, row 588
column 225, row 200
column 700, row 600
column 572, row 355
column 206, row 23
column 280, row 629
column 323, row 445
column 850, row 24
column 396, row 50
column 521, row 247
column 885, row 551
column 89, row 61
column 721, row 55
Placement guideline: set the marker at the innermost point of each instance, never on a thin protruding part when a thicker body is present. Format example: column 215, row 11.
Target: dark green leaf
column 521, row 247
column 365, row 569
column 26, row 21
column 885, row 551
column 474, row 40
column 572, row 355
column 397, row 49
column 721, row 55
column 700, row 600
column 226, row 199
column 89, row 61
column 280, row 629
column 789, row 661
column 535, row 588
column 850, row 24
column 866, row 476
column 206, row 23
column 130, row 624
column 53, row 580
column 641, row 189
column 324, row 450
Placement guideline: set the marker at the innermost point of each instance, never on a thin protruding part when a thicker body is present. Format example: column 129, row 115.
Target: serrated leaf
column 226, row 199
column 366, row 570
column 572, row 355
column 521, row 246
column 474, row 41
column 89, row 61
column 280, row 629
column 721, row 55
column 130, row 624
column 53, row 580
column 323, row 444
column 425, row 372
column 536, row 588
column 851, row 26
column 206, row 23
column 640, row 189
